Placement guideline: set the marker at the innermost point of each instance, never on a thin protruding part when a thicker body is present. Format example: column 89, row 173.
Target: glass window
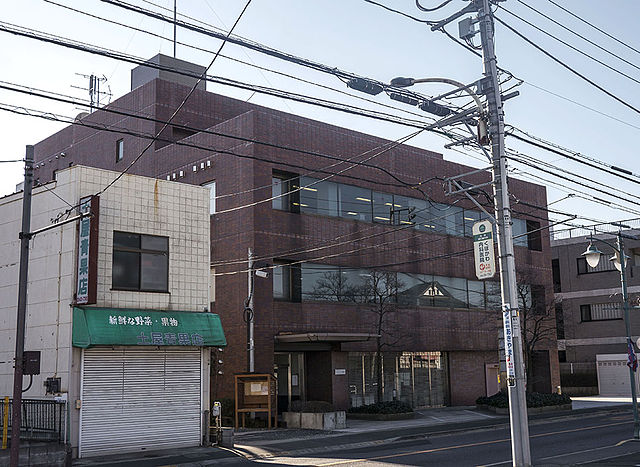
column 212, row 288
column 452, row 292
column 355, row 203
column 447, row 219
column 519, row 230
column 119, row 150
column 281, row 281
column 411, row 289
column 318, row 197
column 534, row 237
column 494, row 296
column 382, row 206
column 585, row 312
column 476, row 294
column 140, row 262
column 421, row 212
column 279, row 194
column 321, row 282
column 212, row 196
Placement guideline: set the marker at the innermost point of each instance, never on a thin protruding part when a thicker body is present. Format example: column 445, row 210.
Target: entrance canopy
column 117, row 326
column 325, row 337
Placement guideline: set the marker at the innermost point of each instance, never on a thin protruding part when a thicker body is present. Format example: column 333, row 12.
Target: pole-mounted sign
column 483, row 249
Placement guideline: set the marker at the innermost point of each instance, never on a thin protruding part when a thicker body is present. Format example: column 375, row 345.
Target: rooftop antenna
column 94, row 89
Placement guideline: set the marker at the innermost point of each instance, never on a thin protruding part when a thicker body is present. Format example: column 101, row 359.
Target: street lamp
column 592, row 255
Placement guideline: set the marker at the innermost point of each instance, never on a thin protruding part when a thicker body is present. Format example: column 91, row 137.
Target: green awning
column 117, row 326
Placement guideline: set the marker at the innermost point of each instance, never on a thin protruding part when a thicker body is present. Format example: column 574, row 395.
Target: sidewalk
column 357, row 434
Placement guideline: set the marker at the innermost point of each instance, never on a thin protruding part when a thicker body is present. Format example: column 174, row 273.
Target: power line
column 595, row 27
column 604, row 49
column 572, row 70
column 57, row 40
column 112, row 109
column 591, row 57
column 175, row 112
column 576, row 157
column 253, row 65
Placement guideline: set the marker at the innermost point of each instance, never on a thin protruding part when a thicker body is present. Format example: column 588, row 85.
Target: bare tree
column 380, row 293
column 537, row 322
column 377, row 294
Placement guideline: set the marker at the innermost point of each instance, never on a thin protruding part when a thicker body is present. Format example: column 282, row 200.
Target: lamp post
column 592, row 255
column 516, row 377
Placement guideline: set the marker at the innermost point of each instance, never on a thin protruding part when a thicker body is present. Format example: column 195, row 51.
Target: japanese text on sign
column 508, row 341
column 483, row 249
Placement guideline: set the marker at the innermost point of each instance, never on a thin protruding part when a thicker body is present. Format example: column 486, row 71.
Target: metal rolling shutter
column 136, row 399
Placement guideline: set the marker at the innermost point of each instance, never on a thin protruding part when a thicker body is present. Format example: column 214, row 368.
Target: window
column 285, row 192
column 119, row 150
column 534, row 237
column 562, row 356
column 281, row 281
column 140, row 262
column 600, row 312
column 559, row 321
column 355, row 203
column 212, row 196
column 519, row 231
column 555, row 270
column 538, row 300
column 603, row 265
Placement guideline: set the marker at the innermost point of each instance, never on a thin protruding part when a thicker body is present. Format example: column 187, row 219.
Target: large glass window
column 140, row 262
column 285, row 192
column 318, row 197
column 355, row 203
column 519, row 230
column 382, row 207
column 281, row 281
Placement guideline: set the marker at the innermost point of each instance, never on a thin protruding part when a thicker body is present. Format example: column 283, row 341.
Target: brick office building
column 592, row 335
column 322, row 238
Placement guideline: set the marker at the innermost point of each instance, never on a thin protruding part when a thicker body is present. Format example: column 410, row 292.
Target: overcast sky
column 359, row 37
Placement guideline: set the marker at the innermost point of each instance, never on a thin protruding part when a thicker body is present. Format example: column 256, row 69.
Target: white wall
column 134, row 204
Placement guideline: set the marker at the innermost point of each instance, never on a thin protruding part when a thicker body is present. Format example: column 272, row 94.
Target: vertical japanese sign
column 87, row 252
column 508, row 344
column 483, row 249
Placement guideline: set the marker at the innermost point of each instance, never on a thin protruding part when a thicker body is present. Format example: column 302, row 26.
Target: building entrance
column 289, row 368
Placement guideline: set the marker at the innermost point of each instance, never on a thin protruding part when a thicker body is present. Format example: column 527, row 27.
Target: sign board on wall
column 483, row 249
column 87, row 271
column 508, row 344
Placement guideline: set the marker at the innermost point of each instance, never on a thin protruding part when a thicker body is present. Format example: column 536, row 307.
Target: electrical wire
column 576, row 157
column 595, row 27
column 182, row 104
column 564, row 65
column 586, row 39
column 227, row 57
column 442, row 5
column 591, row 57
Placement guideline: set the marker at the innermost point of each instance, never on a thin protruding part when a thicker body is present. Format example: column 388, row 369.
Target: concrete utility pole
column 520, row 450
column 249, row 315
column 22, row 308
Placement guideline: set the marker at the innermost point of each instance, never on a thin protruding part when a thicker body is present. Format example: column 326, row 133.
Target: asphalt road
column 587, row 440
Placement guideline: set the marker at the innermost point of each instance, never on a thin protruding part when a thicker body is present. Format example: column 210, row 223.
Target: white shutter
column 138, row 399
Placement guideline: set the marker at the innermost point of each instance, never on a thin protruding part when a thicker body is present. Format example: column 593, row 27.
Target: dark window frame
column 119, row 150
column 290, row 182
column 140, row 251
column 534, row 235
column 583, row 268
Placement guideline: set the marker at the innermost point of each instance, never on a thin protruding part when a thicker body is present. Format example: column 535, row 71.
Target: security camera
column 262, row 273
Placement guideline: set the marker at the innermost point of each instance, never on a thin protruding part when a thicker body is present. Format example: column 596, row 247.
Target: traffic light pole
column 516, row 381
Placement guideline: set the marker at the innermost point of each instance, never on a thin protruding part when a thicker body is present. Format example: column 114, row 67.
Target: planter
column 382, row 416
column 530, row 410
column 315, row 421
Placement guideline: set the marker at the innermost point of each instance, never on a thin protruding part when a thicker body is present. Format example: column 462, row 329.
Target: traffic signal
column 412, row 213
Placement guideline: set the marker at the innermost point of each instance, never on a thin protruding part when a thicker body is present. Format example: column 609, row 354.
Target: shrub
column 534, row 399
column 311, row 406
column 383, row 408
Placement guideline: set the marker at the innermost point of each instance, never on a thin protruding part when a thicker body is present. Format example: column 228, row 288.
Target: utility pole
column 22, row 308
column 249, row 316
column 520, row 450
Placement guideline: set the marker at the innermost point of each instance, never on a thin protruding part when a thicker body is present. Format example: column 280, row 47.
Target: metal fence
column 41, row 420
